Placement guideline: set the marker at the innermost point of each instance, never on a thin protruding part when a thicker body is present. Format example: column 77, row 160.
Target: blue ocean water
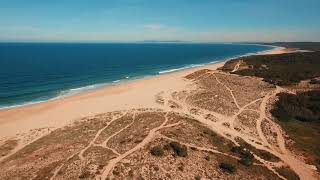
column 34, row 72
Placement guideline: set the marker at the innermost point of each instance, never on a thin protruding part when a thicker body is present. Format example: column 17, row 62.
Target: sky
column 163, row 20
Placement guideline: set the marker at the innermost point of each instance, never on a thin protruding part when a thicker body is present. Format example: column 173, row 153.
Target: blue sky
column 136, row 20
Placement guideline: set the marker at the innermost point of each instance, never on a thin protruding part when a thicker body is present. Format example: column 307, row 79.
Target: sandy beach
column 159, row 90
column 132, row 94
column 115, row 125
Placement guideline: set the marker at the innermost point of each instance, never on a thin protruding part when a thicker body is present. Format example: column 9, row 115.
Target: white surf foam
column 182, row 68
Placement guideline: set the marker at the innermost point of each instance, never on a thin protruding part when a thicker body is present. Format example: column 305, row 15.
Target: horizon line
column 161, row 41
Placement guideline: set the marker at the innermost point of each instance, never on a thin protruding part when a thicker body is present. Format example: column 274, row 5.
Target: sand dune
column 173, row 126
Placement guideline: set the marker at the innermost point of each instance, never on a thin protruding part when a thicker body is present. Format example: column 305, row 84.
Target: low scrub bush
column 157, row 151
column 287, row 173
column 304, row 106
column 180, row 150
column 227, row 167
column 246, row 156
column 282, row 69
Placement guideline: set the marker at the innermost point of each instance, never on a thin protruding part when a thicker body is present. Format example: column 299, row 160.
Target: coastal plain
column 200, row 123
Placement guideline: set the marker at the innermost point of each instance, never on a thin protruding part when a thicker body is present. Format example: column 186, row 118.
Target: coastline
column 139, row 93
column 65, row 92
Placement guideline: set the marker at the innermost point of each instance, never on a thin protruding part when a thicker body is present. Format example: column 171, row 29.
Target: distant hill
column 312, row 46
column 170, row 41
column 281, row 69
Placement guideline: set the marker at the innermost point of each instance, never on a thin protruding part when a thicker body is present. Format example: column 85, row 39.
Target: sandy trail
column 199, row 147
column 92, row 142
column 104, row 143
column 57, row 170
column 222, row 130
column 231, row 93
column 140, row 94
column 236, row 67
column 302, row 169
column 261, row 118
column 151, row 135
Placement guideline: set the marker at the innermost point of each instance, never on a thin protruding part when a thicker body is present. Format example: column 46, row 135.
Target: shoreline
column 138, row 93
column 93, row 87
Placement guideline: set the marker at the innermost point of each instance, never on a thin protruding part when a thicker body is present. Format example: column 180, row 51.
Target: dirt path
column 92, row 142
column 231, row 92
column 236, row 67
column 219, row 127
column 260, row 119
column 151, row 135
column 300, row 167
column 199, row 147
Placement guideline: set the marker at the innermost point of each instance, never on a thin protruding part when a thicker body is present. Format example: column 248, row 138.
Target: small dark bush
column 84, row 174
column 247, row 159
column 180, row 150
column 227, row 167
column 207, row 158
column 115, row 172
column 157, row 151
column 180, row 168
column 167, row 147
column 100, row 166
column 266, row 155
column 194, row 148
column 246, row 156
column 237, row 149
column 156, row 168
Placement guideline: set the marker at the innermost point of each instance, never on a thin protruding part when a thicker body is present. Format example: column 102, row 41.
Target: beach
column 132, row 94
column 159, row 90
column 197, row 110
column 57, row 113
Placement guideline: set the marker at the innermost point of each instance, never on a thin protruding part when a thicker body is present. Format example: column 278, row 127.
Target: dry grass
column 8, row 146
column 183, row 149
column 143, row 165
column 136, row 132
column 246, row 89
column 246, row 122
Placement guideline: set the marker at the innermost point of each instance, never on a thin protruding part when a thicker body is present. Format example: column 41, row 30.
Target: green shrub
column 283, row 69
column 266, row 155
column 287, row 173
column 157, row 151
column 303, row 106
column 227, row 167
column 247, row 159
column 246, row 156
column 180, row 150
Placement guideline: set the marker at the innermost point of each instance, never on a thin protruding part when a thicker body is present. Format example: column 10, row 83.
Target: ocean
column 37, row 72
